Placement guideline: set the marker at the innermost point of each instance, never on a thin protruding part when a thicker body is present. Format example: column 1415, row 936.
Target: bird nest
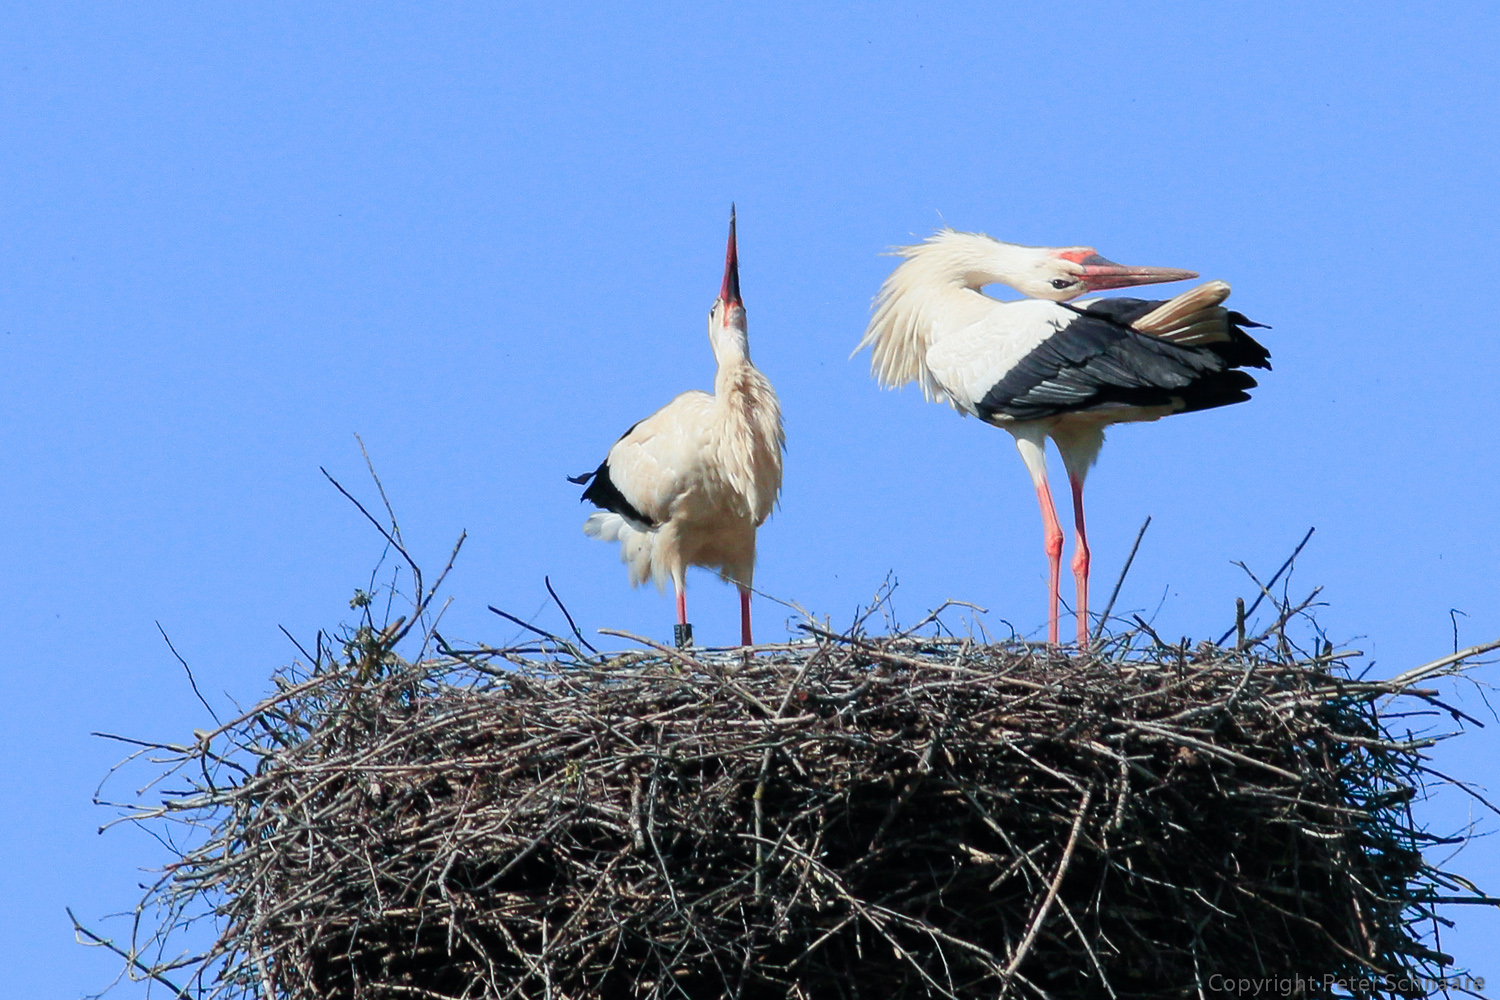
column 849, row 816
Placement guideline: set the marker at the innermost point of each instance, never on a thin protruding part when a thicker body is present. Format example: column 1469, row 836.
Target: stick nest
column 845, row 817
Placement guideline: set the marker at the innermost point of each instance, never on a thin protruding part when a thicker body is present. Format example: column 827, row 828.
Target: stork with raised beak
column 690, row 484
column 1048, row 367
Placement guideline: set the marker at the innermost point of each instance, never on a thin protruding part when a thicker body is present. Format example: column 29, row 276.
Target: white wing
column 659, row 459
column 967, row 360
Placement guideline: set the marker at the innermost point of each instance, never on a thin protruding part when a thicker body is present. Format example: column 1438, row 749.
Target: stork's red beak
column 730, row 290
column 1099, row 273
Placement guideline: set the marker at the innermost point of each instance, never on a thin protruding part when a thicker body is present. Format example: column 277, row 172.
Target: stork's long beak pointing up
column 1100, row 273
column 729, row 292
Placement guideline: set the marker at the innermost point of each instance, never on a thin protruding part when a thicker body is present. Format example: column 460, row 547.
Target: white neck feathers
column 748, row 435
column 937, row 275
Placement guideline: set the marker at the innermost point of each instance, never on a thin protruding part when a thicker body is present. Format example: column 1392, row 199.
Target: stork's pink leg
column 745, row 639
column 683, row 633
column 1080, row 563
column 1052, row 541
column 1031, row 443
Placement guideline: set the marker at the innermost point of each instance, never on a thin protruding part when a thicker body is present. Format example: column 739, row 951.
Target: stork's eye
column 1061, row 283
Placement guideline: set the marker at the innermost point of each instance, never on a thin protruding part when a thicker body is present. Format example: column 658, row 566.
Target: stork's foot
column 683, row 634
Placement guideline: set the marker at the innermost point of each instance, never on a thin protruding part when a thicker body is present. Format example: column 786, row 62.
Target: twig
column 563, row 608
column 1041, row 913
column 189, row 670
column 563, row 643
column 390, row 538
column 1426, row 670
column 933, row 615
column 1265, row 588
column 131, row 960
column 1120, row 580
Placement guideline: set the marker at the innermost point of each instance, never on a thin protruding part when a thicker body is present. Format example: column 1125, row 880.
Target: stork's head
column 1063, row 273
column 726, row 319
column 727, row 308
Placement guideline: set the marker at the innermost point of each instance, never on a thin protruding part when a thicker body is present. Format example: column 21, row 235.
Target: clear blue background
column 486, row 241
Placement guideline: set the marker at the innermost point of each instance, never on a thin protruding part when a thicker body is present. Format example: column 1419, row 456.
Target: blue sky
column 232, row 238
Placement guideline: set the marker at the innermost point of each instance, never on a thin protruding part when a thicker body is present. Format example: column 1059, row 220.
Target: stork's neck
column 969, row 261
column 937, row 285
column 731, row 344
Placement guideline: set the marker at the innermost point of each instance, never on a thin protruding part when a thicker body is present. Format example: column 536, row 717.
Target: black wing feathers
column 1124, row 311
column 604, row 494
column 1243, row 350
column 1240, row 351
column 1097, row 360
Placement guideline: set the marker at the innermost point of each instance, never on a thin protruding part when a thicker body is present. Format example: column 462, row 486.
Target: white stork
column 690, row 484
column 1045, row 367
